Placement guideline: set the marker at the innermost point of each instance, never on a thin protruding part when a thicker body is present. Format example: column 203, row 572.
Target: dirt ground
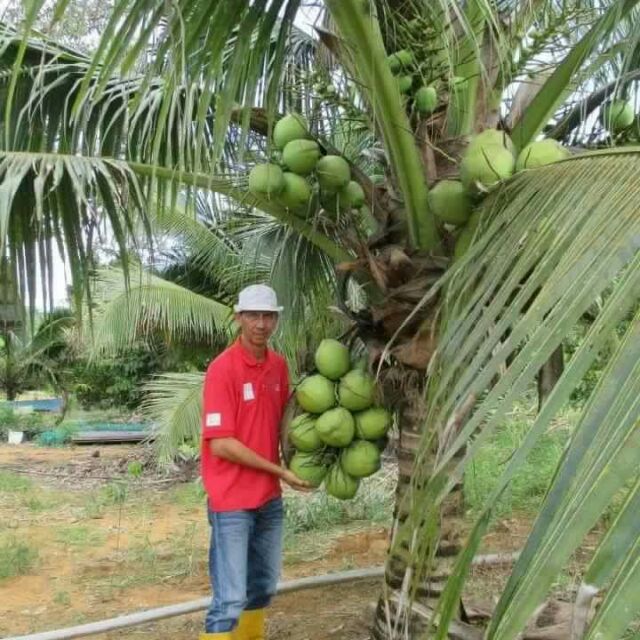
column 107, row 545
column 98, row 559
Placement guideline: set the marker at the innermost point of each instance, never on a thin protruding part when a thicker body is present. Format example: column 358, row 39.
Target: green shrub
column 115, row 382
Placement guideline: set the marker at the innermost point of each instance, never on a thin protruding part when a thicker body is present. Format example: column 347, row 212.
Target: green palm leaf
column 174, row 401
column 558, row 248
column 146, row 304
column 615, row 560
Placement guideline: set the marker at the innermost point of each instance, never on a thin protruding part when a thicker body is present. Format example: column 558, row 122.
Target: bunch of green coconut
column 302, row 170
column 339, row 437
column 425, row 99
column 489, row 159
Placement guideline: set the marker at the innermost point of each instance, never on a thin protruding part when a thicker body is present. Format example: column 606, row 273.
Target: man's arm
column 234, row 451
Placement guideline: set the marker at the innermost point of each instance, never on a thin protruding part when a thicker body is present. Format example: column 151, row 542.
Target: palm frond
column 551, row 241
column 174, row 402
column 145, row 304
column 47, row 198
column 615, row 564
column 548, row 99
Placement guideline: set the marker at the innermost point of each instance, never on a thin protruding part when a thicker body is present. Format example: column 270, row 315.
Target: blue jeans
column 244, row 562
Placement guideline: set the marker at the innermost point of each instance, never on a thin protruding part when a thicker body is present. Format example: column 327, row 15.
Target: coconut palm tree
column 459, row 319
column 29, row 359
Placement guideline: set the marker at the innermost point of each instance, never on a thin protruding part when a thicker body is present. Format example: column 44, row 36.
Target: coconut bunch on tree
column 340, row 433
column 301, row 177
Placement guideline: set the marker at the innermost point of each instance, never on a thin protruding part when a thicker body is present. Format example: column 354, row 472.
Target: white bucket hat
column 257, row 297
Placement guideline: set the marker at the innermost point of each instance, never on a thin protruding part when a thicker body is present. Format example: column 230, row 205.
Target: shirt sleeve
column 219, row 404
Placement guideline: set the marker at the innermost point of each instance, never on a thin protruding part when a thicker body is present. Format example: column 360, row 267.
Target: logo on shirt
column 247, row 391
column 213, row 419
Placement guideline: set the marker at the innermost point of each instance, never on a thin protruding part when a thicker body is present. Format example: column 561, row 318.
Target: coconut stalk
column 468, row 65
column 360, row 30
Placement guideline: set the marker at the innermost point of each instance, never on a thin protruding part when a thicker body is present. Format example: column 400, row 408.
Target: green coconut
column 333, row 173
column 372, row 423
column 291, row 127
column 355, row 194
column 301, row 156
column 309, row 466
column 450, row 201
column 302, row 433
column 296, row 193
column 404, row 84
column 360, row 459
column 356, row 390
column 336, row 427
column 340, row 484
column 266, row 180
column 617, row 115
column 332, row 359
column 540, row 153
column 491, row 137
column 426, row 100
column 400, row 59
column 316, row 394
column 486, row 166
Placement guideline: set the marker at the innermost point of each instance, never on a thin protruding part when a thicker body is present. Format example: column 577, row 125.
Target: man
column 245, row 391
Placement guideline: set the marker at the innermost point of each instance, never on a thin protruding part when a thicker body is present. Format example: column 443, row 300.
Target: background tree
column 126, row 132
column 31, row 359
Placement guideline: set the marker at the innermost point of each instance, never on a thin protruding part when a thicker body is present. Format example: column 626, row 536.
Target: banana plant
column 463, row 311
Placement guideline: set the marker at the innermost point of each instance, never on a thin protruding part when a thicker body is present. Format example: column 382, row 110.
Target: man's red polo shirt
column 244, row 399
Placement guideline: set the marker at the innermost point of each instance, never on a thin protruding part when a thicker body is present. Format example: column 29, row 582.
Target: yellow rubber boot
column 251, row 625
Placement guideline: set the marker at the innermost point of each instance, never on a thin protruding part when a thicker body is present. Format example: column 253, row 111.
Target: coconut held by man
column 339, row 432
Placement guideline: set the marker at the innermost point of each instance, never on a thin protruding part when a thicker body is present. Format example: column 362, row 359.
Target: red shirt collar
column 248, row 357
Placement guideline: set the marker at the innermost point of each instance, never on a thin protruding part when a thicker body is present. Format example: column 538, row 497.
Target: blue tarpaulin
column 48, row 404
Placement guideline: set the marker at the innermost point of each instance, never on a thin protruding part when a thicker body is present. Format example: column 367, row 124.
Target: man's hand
column 294, row 482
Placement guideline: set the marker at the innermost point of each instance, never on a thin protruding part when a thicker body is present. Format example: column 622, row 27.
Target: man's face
column 257, row 326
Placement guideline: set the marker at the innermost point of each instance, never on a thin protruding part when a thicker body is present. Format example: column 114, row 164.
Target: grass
column 62, row 598
column 79, row 536
column 16, row 558
column 14, row 482
column 312, row 520
column 190, row 494
column 19, row 492
column 35, row 504
column 529, row 485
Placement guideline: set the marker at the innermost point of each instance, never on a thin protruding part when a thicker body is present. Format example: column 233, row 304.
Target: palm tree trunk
column 412, row 411
column 549, row 375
